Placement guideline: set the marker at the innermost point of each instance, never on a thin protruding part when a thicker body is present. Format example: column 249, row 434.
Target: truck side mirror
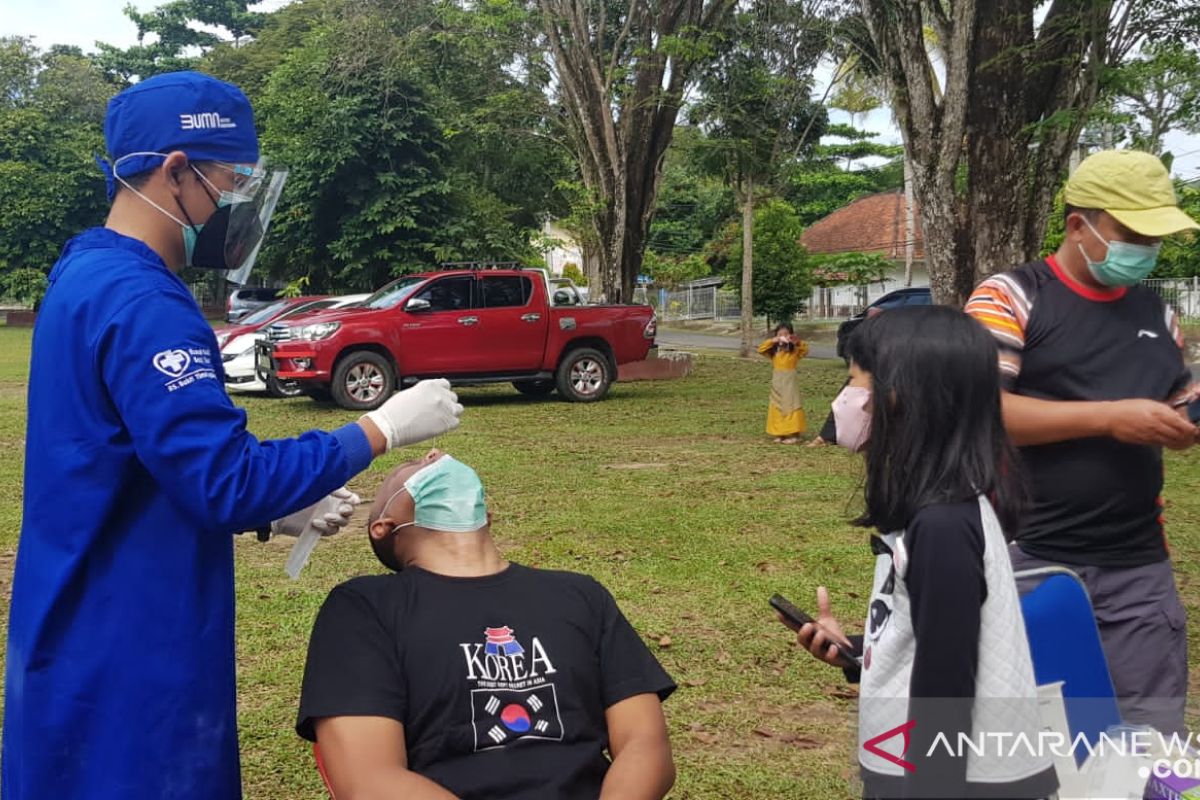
column 417, row 305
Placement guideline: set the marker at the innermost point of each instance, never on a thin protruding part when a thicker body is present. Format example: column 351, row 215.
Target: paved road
column 684, row 340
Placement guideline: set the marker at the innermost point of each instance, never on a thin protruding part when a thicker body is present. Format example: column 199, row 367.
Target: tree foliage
column 181, row 31
column 692, row 204
column 1180, row 255
column 1154, row 94
column 409, row 141
column 782, row 273
column 50, row 188
column 367, row 184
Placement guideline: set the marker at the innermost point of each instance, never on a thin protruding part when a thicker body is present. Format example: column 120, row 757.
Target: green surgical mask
column 1125, row 264
column 448, row 496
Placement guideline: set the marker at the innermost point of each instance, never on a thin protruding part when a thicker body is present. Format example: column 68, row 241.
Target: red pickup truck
column 473, row 326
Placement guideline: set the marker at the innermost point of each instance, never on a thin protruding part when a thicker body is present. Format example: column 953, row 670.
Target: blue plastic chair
column 1065, row 644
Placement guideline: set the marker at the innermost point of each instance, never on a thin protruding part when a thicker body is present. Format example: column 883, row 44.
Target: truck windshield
column 394, row 293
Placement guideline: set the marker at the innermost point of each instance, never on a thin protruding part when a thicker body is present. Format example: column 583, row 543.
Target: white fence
column 843, row 302
column 1182, row 295
column 834, row 303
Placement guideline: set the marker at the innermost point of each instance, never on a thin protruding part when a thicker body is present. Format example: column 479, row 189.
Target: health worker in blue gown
column 138, row 469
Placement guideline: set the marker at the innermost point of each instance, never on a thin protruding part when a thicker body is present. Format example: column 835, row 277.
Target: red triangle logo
column 872, row 745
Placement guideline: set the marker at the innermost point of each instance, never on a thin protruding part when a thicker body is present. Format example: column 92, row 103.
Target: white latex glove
column 327, row 516
column 426, row 410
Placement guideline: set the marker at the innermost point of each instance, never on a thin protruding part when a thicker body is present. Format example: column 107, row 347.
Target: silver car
column 244, row 301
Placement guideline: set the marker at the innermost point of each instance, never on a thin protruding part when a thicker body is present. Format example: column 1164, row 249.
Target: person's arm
column 766, row 347
column 1032, row 421
column 633, row 686
column 947, row 587
column 801, row 348
column 365, row 759
column 642, row 767
column 161, row 368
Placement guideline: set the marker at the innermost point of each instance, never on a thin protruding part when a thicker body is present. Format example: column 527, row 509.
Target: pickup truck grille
column 279, row 333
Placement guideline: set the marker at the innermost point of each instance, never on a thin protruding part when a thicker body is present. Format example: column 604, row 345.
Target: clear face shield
column 229, row 240
column 250, row 206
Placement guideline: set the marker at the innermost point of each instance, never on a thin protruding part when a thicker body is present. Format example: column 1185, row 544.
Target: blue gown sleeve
column 159, row 361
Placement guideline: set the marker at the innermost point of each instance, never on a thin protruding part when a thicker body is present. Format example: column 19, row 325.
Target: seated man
column 464, row 675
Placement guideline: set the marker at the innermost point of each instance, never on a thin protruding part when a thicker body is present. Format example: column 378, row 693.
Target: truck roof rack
column 478, row 265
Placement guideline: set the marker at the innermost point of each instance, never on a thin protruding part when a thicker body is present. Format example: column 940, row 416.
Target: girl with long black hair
column 945, row 654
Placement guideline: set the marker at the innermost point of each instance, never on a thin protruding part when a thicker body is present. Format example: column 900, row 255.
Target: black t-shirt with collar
column 1095, row 501
column 501, row 682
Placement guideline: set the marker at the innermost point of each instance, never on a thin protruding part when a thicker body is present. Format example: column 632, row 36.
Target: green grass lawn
column 668, row 493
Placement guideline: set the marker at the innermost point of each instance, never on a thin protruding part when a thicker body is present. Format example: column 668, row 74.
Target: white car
column 237, row 354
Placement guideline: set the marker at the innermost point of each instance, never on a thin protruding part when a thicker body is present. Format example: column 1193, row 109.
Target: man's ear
column 381, row 528
column 173, row 168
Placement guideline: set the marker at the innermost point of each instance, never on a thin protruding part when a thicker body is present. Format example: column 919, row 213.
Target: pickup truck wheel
column 534, row 388
column 363, row 381
column 278, row 388
column 584, row 376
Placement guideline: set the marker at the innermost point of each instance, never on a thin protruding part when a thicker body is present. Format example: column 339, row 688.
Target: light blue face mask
column 1125, row 264
column 448, row 496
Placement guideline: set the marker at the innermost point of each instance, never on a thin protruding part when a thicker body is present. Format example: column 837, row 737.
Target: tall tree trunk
column 988, row 154
column 592, row 271
column 621, row 89
column 910, row 229
column 748, row 268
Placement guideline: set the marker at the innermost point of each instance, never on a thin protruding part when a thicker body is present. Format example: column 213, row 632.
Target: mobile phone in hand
column 1193, row 410
column 797, row 619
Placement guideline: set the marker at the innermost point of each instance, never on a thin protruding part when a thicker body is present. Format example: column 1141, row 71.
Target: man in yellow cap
column 1095, row 380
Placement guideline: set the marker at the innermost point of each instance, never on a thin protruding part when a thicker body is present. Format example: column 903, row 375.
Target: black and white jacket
column 945, row 649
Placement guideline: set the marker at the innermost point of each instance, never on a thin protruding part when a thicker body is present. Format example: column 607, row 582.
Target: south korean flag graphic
column 503, row 716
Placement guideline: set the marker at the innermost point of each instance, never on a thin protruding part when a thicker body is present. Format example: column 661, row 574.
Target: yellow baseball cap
column 1133, row 187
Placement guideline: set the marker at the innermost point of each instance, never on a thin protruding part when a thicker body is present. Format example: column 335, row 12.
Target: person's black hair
column 1090, row 214
column 937, row 435
column 136, row 181
column 785, row 325
column 139, row 179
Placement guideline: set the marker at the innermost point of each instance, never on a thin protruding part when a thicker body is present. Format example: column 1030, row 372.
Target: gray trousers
column 1143, row 629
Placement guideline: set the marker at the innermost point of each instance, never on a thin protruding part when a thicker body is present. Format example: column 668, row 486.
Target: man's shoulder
column 369, row 591
column 1025, row 277
column 370, row 585
column 95, row 268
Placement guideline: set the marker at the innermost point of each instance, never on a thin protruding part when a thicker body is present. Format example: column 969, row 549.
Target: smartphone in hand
column 796, row 619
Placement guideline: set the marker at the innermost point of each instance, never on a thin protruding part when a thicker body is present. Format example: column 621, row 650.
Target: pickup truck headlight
column 321, row 330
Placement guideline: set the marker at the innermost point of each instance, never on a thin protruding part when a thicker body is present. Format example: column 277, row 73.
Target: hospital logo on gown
column 503, row 716
column 172, row 363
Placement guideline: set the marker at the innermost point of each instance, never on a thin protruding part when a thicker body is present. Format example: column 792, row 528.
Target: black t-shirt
column 501, row 682
column 1095, row 501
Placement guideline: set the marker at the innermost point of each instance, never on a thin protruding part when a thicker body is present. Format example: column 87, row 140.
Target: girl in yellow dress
column 785, row 417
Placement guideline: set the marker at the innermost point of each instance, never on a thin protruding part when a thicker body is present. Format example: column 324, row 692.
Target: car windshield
column 264, row 314
column 304, row 308
column 394, row 293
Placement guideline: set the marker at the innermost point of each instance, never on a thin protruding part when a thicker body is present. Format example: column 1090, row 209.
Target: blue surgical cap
column 207, row 119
